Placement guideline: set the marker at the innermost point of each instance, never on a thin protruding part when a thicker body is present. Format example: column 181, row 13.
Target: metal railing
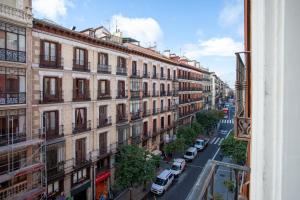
column 12, row 55
column 105, row 69
column 146, row 75
column 79, row 128
column 78, row 96
column 135, row 74
column 51, row 97
column 54, row 62
column 52, row 134
column 79, row 65
column 242, row 118
column 121, row 118
column 23, row 15
column 103, row 122
column 121, row 71
column 12, row 138
column 103, row 95
column 135, row 94
column 135, row 115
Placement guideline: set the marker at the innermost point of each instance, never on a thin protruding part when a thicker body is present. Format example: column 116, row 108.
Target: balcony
column 103, row 122
column 146, row 94
column 102, row 96
column 146, row 75
column 175, row 93
column 121, row 118
column 15, row 190
column 51, row 97
column 105, row 69
column 163, row 93
column 155, row 132
column 155, row 75
column 169, row 77
column 52, row 134
column 146, row 113
column 82, row 162
column 78, row 96
column 104, row 151
column 12, row 55
column 169, row 93
column 163, row 109
column 175, row 79
column 136, row 139
column 122, row 94
column 155, row 93
column 51, row 62
column 24, row 16
column 121, row 71
column 145, row 136
column 135, row 74
column 79, row 128
column 8, row 98
column 155, row 111
column 242, row 125
column 56, row 171
column 135, row 94
column 12, row 138
column 79, row 65
column 135, row 115
column 162, row 77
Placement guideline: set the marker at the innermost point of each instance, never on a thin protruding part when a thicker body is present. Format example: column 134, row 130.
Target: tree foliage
column 135, row 166
column 235, row 148
column 209, row 119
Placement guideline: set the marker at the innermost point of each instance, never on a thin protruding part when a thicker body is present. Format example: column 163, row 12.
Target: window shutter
column 42, row 60
column 58, row 56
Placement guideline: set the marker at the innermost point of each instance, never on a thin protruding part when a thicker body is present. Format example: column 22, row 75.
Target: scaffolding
column 22, row 167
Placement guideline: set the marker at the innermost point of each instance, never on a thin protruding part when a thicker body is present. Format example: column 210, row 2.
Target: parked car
column 190, row 154
column 178, row 166
column 163, row 182
column 200, row 144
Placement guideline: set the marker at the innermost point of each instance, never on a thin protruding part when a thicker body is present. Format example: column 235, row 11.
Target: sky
column 209, row 31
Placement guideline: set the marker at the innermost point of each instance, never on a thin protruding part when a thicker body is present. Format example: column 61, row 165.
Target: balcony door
column 103, row 59
column 81, row 88
column 145, row 87
column 80, row 118
column 134, row 68
column 121, row 111
column 145, row 128
column 12, row 129
column 80, row 149
column 145, row 107
column 103, row 143
column 154, row 126
column 121, row 88
column 103, row 115
column 50, row 121
column 51, row 87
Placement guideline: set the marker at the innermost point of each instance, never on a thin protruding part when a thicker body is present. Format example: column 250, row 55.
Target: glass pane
column 53, row 52
column 81, row 57
column 12, row 42
column 46, row 51
column 52, row 86
column 2, row 39
column 52, row 121
column 77, row 56
column 22, row 41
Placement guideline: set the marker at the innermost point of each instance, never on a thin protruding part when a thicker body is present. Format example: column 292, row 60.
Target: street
column 181, row 187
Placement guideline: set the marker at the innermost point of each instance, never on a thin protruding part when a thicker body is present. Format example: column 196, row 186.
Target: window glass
column 2, row 39
column 52, row 52
column 12, row 41
column 52, row 86
column 22, row 43
column 46, row 50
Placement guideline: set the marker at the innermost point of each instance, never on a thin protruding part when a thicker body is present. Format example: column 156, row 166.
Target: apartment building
column 217, row 89
column 206, row 85
column 21, row 151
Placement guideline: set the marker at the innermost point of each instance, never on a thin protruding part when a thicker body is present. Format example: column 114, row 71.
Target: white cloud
column 225, row 46
column 146, row 30
column 232, row 13
column 51, row 9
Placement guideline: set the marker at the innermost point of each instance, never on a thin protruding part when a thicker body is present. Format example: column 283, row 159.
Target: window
column 169, row 120
column 134, row 106
column 154, row 70
column 12, row 85
column 80, row 147
column 145, row 69
column 49, row 51
column 121, row 88
column 162, row 72
column 123, row 135
column 103, row 113
column 154, row 105
column 81, row 89
column 145, row 87
column 162, row 122
column 104, row 87
column 103, row 143
column 80, row 119
column 103, row 59
column 50, row 122
column 134, row 85
column 154, row 126
column 12, row 43
column 121, row 62
column 134, row 70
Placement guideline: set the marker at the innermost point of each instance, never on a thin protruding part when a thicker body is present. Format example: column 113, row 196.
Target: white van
column 190, row 153
column 163, row 182
column 200, row 144
column 178, row 166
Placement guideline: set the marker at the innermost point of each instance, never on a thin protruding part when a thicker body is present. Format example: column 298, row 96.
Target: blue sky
column 209, row 31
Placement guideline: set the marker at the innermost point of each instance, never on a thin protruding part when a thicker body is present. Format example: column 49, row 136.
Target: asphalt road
column 182, row 186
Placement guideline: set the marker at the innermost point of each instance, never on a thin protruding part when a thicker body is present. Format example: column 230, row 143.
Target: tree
column 209, row 119
column 236, row 149
column 135, row 166
column 197, row 128
column 177, row 145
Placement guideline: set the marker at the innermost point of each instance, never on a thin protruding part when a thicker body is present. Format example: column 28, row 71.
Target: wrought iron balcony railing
column 242, row 115
column 105, row 69
column 103, row 122
column 51, row 97
column 79, row 65
column 53, row 62
column 121, row 71
column 78, row 128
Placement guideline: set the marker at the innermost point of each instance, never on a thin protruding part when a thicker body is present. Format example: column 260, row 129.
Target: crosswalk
column 227, row 121
column 216, row 140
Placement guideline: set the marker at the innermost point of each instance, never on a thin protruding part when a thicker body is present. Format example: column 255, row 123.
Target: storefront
column 102, row 184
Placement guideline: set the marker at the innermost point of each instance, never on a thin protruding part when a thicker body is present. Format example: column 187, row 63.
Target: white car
column 178, row 166
column 190, row 154
column 163, row 182
column 201, row 144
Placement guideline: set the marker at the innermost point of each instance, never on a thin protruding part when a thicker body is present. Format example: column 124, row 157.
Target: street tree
column 135, row 166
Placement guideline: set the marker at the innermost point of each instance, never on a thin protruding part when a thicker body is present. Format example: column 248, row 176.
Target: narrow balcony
column 136, row 139
column 169, row 93
column 82, row 161
column 146, row 113
column 169, row 77
column 135, row 94
column 51, row 62
column 146, row 94
column 104, row 69
column 135, row 115
column 121, row 118
column 155, row 76
column 145, row 136
column 242, row 125
column 122, row 94
column 121, row 71
column 155, row 111
column 103, row 122
column 155, row 93
column 24, row 16
column 163, row 93
column 79, row 96
column 8, row 98
column 102, row 96
column 104, row 151
column 135, row 74
column 162, row 77
column 51, row 97
column 12, row 138
column 146, row 75
column 56, row 171
column 52, row 134
column 12, row 55
column 79, row 65
column 79, row 128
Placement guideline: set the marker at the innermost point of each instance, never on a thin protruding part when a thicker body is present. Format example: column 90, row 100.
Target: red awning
column 103, row 176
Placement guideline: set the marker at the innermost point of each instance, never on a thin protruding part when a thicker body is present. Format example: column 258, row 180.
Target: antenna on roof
column 73, row 28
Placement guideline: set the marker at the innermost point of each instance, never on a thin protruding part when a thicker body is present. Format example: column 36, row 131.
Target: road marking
column 213, row 140
column 221, row 141
column 217, row 140
column 219, row 147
